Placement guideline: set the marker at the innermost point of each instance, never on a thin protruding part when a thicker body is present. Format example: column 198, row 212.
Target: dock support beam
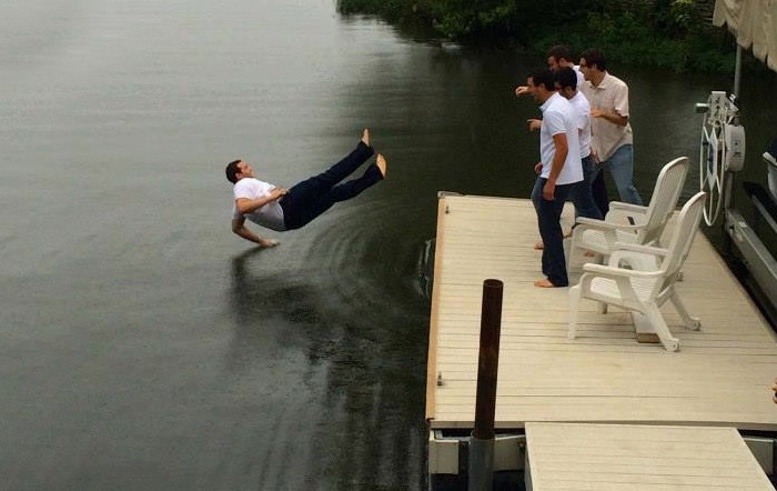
column 481, row 446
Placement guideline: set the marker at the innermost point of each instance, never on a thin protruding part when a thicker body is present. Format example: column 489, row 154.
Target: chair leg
column 670, row 342
column 692, row 323
column 574, row 305
column 602, row 308
column 570, row 247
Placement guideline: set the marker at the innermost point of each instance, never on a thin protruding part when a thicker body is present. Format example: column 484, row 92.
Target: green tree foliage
column 660, row 33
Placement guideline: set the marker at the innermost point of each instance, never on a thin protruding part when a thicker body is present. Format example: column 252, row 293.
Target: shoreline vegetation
column 671, row 34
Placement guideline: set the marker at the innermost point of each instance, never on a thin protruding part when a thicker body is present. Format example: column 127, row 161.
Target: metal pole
column 481, row 448
column 738, row 71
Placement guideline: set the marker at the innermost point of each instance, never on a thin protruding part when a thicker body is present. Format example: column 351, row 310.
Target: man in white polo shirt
column 559, row 169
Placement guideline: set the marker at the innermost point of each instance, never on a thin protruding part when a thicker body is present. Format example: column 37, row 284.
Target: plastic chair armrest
column 621, row 206
column 641, row 248
column 613, row 272
column 592, row 223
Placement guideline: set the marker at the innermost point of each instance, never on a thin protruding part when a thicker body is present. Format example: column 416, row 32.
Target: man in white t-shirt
column 559, row 170
column 582, row 196
column 559, row 56
column 282, row 209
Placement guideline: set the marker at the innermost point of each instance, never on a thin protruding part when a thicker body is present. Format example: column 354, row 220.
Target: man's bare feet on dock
column 544, row 283
column 366, row 136
column 381, row 164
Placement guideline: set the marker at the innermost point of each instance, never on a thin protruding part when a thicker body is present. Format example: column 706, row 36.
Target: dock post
column 481, row 444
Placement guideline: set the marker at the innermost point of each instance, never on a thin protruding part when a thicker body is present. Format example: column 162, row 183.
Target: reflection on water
column 426, row 268
column 140, row 341
column 366, row 427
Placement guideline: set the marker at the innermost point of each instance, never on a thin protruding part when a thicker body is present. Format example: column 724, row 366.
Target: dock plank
column 606, row 456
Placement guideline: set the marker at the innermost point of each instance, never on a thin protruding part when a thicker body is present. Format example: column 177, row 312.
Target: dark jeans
column 554, row 265
column 582, row 195
column 599, row 190
column 312, row 197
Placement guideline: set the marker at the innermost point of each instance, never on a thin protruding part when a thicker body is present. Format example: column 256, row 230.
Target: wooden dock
column 600, row 457
column 720, row 377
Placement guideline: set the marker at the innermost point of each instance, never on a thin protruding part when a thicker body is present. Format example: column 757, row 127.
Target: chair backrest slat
column 682, row 237
column 669, row 186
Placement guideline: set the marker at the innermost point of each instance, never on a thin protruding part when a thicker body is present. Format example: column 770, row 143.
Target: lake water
column 142, row 344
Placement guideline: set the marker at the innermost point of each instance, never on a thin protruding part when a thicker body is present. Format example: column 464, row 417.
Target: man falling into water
column 282, row 209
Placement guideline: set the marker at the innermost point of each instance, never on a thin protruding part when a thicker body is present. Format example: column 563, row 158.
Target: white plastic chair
column 600, row 236
column 643, row 292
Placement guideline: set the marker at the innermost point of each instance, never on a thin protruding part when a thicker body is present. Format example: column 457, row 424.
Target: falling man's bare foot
column 381, row 164
column 366, row 136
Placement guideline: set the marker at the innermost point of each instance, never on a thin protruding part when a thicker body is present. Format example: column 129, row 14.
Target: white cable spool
column 722, row 150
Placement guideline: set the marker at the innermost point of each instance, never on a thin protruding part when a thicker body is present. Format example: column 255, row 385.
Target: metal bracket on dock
column 450, row 454
column 442, row 194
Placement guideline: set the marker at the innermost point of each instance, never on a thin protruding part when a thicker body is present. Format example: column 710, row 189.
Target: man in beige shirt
column 612, row 143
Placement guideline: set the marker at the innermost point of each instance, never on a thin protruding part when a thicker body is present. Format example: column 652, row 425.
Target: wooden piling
column 481, row 448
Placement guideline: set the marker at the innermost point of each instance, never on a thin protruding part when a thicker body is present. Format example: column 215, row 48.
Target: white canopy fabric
column 754, row 23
